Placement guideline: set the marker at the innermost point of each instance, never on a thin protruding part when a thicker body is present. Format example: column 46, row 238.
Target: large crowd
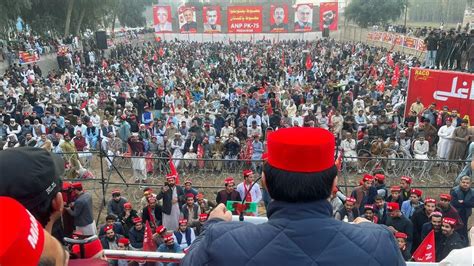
column 189, row 100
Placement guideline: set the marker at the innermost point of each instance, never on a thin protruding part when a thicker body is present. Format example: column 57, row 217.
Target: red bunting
column 148, row 242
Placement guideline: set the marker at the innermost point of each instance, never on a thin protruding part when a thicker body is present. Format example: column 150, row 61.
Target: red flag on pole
column 173, row 171
column 309, row 64
column 390, row 60
column 283, row 58
column 148, row 243
column 161, row 51
column 426, row 251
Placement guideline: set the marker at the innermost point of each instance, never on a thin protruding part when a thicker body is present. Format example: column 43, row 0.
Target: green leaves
column 370, row 12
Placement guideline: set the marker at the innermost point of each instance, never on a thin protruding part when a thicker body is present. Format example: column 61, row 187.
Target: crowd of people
column 189, row 100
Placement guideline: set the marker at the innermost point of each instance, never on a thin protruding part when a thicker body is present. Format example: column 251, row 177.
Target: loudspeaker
column 101, row 39
column 326, row 33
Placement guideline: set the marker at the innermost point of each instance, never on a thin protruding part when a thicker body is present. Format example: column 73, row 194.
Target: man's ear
column 264, row 181
column 334, row 184
column 58, row 202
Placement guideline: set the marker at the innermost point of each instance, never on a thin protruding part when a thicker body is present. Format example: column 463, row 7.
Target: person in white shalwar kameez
column 445, row 142
column 421, row 148
column 255, row 194
column 349, row 146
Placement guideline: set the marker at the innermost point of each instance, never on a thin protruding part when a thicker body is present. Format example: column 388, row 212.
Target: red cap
column 160, row 229
column 436, row 213
column 380, row 177
column 449, row 220
column 247, row 172
column 200, row 196
column 170, row 176
column 401, row 235
column 203, row 216
column 430, row 200
column 188, row 181
column 168, row 237
column 418, row 192
column 108, row 227
column 190, row 195
column 368, row 207
column 367, row 177
column 406, row 178
column 449, row 119
column 76, row 185
column 23, row 234
column 116, row 191
column 351, row 200
column 127, row 205
column 294, row 149
column 445, row 196
column 228, row 180
column 124, row 241
column 183, row 221
column 67, row 185
column 395, row 189
column 393, row 206
column 90, row 249
column 137, row 220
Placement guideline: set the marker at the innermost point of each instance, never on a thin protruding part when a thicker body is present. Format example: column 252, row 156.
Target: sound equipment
column 101, row 39
column 326, row 33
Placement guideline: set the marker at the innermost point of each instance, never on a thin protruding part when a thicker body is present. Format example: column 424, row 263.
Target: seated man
column 185, row 235
column 137, row 234
column 111, row 220
column 421, row 148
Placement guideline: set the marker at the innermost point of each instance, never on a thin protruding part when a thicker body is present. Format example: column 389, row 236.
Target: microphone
column 241, row 215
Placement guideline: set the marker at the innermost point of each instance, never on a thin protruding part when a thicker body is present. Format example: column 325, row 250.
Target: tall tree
column 70, row 6
column 10, row 10
column 370, row 12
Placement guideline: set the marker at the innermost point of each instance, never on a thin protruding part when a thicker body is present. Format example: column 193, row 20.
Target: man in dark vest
column 299, row 175
column 185, row 235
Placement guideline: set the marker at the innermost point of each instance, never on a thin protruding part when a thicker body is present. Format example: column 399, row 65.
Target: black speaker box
column 101, row 39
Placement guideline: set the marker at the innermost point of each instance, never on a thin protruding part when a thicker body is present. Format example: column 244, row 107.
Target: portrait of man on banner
column 304, row 18
column 162, row 19
column 211, row 19
column 279, row 18
column 328, row 16
column 187, row 19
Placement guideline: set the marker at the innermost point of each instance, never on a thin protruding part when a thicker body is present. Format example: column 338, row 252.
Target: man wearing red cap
column 170, row 246
column 190, row 211
column 409, row 206
column 137, row 234
column 199, row 226
column 184, row 235
column 397, row 222
column 369, row 213
column 300, row 175
column 81, row 210
column 449, row 211
column 419, row 218
column 405, row 187
column 110, row 240
column 452, row 240
column 380, row 185
column 348, row 212
column 395, row 195
column 152, row 213
column 127, row 216
column 173, row 198
column 402, row 244
column 245, row 189
column 364, row 194
column 228, row 193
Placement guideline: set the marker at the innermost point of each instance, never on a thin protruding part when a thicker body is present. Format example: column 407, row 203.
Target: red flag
column 338, row 161
column 396, row 71
column 155, row 57
column 239, row 58
column 188, row 98
column 283, row 58
column 148, row 243
column 405, row 71
column 173, row 171
column 426, row 251
column 390, row 60
column 381, row 86
column 160, row 92
column 309, row 64
column 161, row 51
column 200, row 155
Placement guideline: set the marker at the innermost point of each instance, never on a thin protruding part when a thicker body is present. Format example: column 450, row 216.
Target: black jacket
column 105, row 243
column 448, row 244
column 158, row 215
column 168, row 197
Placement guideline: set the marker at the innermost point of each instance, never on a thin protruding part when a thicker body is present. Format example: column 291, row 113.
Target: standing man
column 444, row 143
column 228, row 193
column 409, row 206
column 460, row 139
column 463, row 200
column 397, row 222
column 173, row 197
column 251, row 194
column 296, row 216
column 419, row 218
column 81, row 210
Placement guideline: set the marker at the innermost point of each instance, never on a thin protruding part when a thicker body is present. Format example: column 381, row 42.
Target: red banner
column 421, row 45
column 426, row 251
column 211, row 19
column 244, row 19
column 387, row 37
column 162, row 19
column 453, row 89
column 398, row 40
column 279, row 18
column 26, row 57
column 410, row 42
column 187, row 19
column 304, row 18
column 328, row 15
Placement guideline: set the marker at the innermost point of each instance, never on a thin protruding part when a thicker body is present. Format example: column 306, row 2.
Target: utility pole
column 406, row 13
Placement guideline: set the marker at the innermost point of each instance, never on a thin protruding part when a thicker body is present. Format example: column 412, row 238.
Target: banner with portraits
column 211, row 19
column 162, row 20
column 304, row 18
column 328, row 16
column 244, row 19
column 187, row 19
column 397, row 40
column 279, row 18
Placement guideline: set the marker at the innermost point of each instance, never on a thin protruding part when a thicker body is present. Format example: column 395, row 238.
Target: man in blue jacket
column 299, row 175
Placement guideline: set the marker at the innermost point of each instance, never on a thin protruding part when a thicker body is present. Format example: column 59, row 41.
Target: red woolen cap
column 127, row 205
column 445, row 196
column 247, row 172
column 203, row 216
column 430, row 200
column 368, row 207
column 417, row 192
column 228, row 180
column 200, row 196
column 108, row 227
column 76, row 185
column 190, row 195
column 124, row 241
column 351, row 200
column 183, row 221
column 449, row 220
column 116, row 191
column 137, row 220
column 395, row 189
column 367, row 177
column 393, row 206
column 305, row 150
column 380, row 177
column 22, row 237
column 167, row 238
column 160, row 229
column 188, row 181
column 90, row 249
column 401, row 235
column 406, row 178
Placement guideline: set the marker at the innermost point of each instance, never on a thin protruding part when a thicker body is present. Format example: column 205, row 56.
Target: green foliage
column 10, row 10
column 370, row 12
